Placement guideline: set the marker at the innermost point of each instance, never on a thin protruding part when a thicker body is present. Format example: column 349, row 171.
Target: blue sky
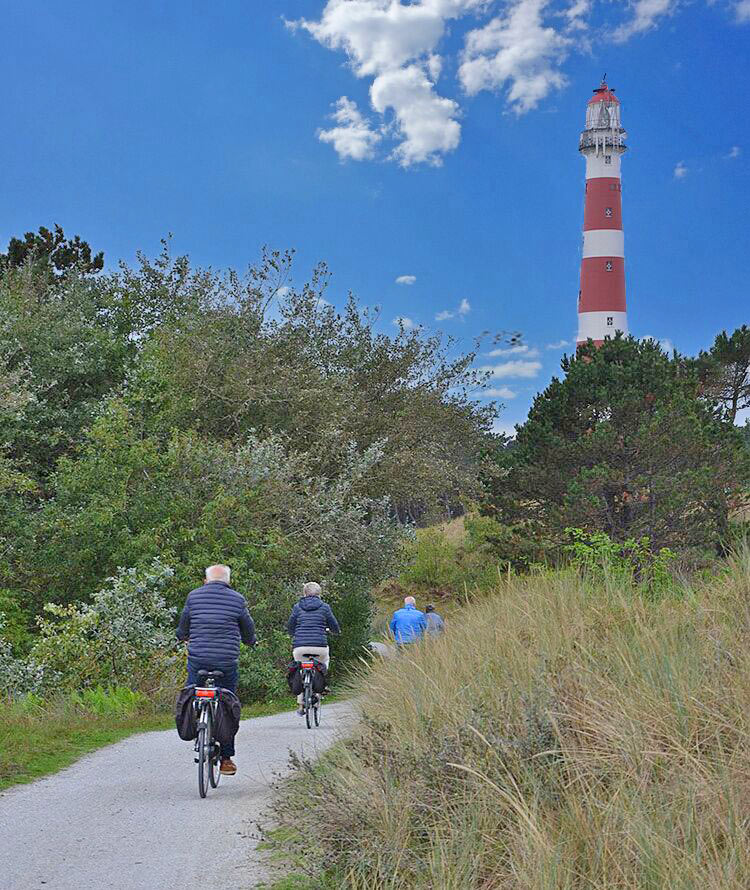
column 433, row 139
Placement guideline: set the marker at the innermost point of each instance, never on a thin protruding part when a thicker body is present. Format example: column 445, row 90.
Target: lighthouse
column 601, row 299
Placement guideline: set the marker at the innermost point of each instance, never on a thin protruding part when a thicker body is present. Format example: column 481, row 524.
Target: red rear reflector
column 306, row 664
column 205, row 693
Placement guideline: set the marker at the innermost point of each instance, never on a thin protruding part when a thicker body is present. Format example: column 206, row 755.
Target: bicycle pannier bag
column 294, row 678
column 228, row 714
column 319, row 677
column 184, row 714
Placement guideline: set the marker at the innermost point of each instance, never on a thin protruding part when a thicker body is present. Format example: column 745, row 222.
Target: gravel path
column 128, row 817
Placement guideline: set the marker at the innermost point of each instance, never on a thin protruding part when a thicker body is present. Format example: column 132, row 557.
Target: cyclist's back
column 214, row 622
column 307, row 626
column 408, row 624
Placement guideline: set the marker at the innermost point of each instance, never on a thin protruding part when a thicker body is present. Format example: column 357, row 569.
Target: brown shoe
column 227, row 768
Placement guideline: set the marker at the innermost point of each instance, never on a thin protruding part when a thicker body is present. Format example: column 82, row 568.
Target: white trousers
column 322, row 653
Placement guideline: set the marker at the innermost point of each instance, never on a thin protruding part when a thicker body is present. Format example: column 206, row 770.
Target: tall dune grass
column 562, row 735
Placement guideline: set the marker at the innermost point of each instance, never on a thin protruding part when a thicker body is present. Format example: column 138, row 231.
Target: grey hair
column 312, row 588
column 410, row 601
column 218, row 573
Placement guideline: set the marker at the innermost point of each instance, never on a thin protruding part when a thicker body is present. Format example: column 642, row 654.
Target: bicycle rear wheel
column 204, row 757
column 308, row 704
column 214, row 761
column 316, row 708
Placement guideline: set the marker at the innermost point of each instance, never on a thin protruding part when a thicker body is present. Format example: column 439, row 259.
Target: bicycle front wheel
column 316, row 708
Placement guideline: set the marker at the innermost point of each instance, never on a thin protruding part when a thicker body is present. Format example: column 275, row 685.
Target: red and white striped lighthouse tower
column 601, row 300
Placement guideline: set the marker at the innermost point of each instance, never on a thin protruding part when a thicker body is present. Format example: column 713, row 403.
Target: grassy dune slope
column 564, row 735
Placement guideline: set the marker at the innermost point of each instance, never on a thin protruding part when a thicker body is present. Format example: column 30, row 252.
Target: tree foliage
column 164, row 412
column 52, row 253
column 725, row 372
column 625, row 444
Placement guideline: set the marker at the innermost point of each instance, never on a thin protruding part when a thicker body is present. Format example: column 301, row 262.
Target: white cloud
column 502, row 392
column 394, row 43
column 561, row 344
column 576, row 14
column 521, row 349
column 520, row 368
column 402, row 321
column 283, row 291
column 352, row 137
column 742, row 12
column 735, row 151
column 645, row 14
column 406, row 279
column 680, row 170
column 381, row 35
column 515, row 49
column 425, row 121
column 463, row 309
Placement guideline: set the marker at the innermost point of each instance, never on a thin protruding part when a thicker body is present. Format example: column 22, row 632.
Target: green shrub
column 116, row 701
column 432, row 561
column 124, row 636
column 632, row 562
column 17, row 621
column 518, row 545
column 23, row 676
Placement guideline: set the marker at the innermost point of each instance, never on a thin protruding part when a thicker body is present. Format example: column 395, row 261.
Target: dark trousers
column 228, row 681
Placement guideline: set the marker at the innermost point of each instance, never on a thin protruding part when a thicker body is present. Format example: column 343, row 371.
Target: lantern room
column 603, row 123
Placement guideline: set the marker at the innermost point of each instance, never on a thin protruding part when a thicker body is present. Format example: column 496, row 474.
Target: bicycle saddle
column 216, row 675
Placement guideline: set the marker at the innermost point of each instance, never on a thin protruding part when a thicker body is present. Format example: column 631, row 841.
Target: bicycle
column 207, row 749
column 311, row 700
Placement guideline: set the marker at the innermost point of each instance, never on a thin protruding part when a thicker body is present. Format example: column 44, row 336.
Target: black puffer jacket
column 308, row 622
column 215, row 619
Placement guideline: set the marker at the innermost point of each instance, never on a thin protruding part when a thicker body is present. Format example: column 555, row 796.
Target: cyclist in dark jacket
column 307, row 626
column 213, row 623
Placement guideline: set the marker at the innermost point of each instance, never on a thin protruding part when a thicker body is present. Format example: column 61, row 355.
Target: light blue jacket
column 408, row 624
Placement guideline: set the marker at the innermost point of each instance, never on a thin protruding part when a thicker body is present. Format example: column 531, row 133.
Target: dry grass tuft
column 560, row 737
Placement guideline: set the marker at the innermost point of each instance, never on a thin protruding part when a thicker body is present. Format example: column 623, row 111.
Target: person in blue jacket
column 213, row 623
column 408, row 624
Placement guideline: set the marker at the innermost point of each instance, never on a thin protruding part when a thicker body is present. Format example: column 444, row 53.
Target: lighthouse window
column 608, row 267
column 608, row 211
column 607, row 159
column 610, row 321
